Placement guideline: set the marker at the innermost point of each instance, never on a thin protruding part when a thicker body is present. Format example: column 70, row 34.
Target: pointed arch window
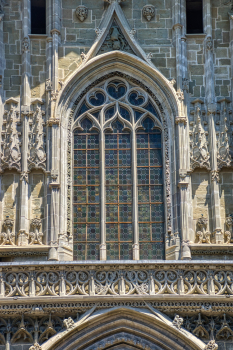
column 118, row 192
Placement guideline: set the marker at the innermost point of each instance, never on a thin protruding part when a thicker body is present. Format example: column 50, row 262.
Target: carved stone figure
column 178, row 321
column 203, row 235
column 148, row 12
column 8, row 236
column 81, row 12
column 25, row 44
column 36, row 236
column 36, row 145
column 209, row 43
column 200, row 157
column 11, row 156
column 223, row 142
column 229, row 224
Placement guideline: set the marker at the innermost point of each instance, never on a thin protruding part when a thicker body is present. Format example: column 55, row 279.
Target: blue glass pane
column 117, row 126
column 96, row 114
column 149, row 107
column 116, row 89
column 92, row 251
column 110, row 141
column 98, row 99
column 79, row 251
column 142, row 141
column 156, row 176
column 125, row 251
column 112, row 251
column 144, row 233
column 109, row 113
column 126, row 232
column 136, row 99
column 137, row 115
column 148, row 124
column 86, row 124
column 151, row 251
column 156, row 157
column 125, row 113
column 112, row 233
column 157, row 212
column 124, row 141
column 79, row 141
column 155, row 140
column 158, row 232
column 82, row 110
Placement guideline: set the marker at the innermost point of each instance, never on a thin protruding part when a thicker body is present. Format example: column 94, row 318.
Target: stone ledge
column 211, row 249
column 30, row 250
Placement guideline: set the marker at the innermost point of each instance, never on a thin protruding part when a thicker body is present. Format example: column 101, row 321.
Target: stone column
column 53, row 21
column 231, row 49
column 2, row 63
column 211, row 108
column 25, row 112
column 103, row 254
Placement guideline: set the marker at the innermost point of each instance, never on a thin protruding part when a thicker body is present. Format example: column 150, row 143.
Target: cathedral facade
column 116, row 174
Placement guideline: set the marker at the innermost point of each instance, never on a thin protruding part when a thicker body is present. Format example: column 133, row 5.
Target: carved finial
column 211, row 346
column 69, row 323
column 178, row 321
column 36, row 346
column 81, row 12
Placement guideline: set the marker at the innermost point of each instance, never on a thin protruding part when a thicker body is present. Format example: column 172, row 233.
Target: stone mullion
column 135, row 198
column 2, row 66
column 103, row 254
column 211, row 107
column 25, row 112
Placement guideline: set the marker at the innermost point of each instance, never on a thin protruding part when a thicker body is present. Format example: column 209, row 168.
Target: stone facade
column 129, row 55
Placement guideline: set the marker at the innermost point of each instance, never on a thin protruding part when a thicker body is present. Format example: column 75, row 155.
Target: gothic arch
column 126, row 328
column 146, row 77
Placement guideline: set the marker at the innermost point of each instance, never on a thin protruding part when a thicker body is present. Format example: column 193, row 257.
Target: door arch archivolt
column 123, row 328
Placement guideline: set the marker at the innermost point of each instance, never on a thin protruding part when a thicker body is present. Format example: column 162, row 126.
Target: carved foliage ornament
column 229, row 224
column 148, row 12
column 211, row 346
column 203, row 235
column 36, row 346
column 10, row 155
column 81, row 12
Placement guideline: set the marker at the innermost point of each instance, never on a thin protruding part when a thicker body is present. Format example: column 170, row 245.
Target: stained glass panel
column 150, row 192
column 118, row 190
column 86, row 199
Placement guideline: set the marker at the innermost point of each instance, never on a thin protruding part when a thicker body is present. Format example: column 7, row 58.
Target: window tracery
column 114, row 108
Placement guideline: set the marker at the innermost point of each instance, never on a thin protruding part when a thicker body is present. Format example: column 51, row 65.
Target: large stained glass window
column 86, row 188
column 118, row 193
column 150, row 192
column 118, row 186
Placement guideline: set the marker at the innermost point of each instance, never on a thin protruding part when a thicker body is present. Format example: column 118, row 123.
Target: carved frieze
column 10, row 150
column 148, row 12
column 203, row 235
column 81, row 12
column 36, row 145
column 199, row 152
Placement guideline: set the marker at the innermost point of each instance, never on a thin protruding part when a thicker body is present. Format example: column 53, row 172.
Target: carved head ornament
column 81, row 12
column 148, row 12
